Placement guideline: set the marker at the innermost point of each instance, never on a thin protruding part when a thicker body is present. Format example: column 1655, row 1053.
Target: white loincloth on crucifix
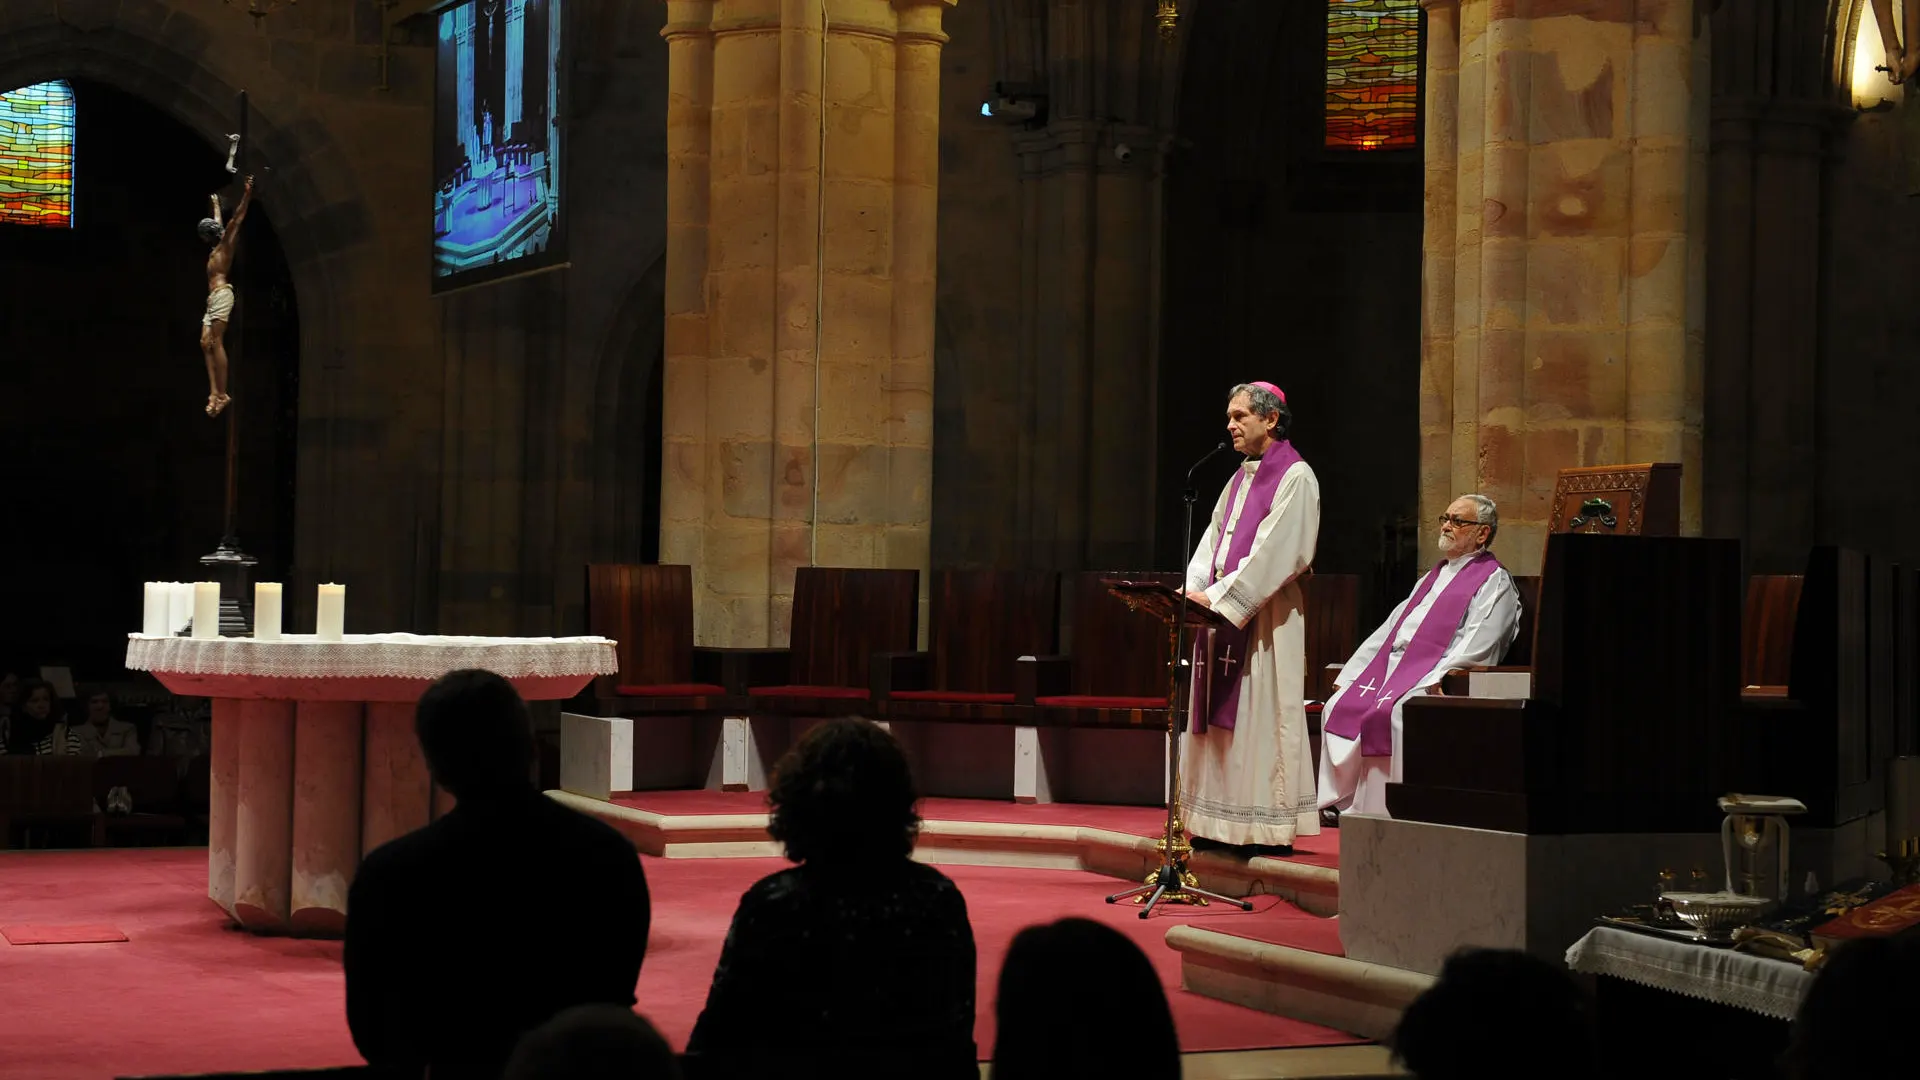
column 1471, row 630
column 1246, row 769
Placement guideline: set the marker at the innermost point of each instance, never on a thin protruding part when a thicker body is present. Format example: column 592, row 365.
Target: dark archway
column 1290, row 263
column 628, row 425
column 101, row 429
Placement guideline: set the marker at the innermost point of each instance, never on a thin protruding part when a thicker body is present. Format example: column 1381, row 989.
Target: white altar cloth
column 1741, row 980
column 372, row 656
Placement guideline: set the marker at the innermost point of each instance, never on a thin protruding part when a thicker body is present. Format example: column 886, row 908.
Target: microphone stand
column 1173, row 883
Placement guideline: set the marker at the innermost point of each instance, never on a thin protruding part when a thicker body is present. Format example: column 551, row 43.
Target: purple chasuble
column 1366, row 709
column 1230, row 644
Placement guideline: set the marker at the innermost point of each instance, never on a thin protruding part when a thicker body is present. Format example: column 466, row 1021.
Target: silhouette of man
column 213, row 326
column 464, row 935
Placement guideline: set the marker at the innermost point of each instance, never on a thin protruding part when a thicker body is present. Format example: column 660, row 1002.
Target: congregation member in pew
column 857, row 962
column 104, row 734
column 1463, row 613
column 1499, row 1014
column 38, row 726
column 1065, row 989
column 467, row 933
column 1247, row 764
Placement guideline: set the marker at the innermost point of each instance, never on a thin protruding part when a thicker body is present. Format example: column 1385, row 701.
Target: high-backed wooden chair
column 648, row 611
column 982, row 622
column 1116, row 673
column 841, row 618
column 1332, row 603
column 1766, row 632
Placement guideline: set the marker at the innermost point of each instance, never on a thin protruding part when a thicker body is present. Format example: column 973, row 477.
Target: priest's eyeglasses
column 1459, row 522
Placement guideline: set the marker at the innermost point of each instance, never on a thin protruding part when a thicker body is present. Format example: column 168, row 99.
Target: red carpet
column 188, row 995
column 45, row 934
column 1321, row 850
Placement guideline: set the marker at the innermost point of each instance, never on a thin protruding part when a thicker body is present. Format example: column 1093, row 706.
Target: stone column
column 1569, row 334
column 803, row 145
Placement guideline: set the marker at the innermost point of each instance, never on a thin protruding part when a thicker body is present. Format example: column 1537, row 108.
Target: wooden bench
column 39, row 793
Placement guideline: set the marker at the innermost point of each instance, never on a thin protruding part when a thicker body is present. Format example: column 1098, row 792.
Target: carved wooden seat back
column 1117, row 651
column 1332, row 603
column 1618, row 500
column 648, row 611
column 983, row 620
column 841, row 617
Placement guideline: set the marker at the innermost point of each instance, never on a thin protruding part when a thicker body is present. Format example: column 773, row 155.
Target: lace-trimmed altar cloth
column 373, row 656
column 1725, row 977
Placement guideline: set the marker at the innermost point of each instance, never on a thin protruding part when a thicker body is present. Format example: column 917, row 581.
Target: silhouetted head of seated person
column 844, row 795
column 1496, row 1014
column 477, row 736
column 593, row 1042
column 1067, row 991
column 857, row 962
column 494, row 916
column 1853, row 1021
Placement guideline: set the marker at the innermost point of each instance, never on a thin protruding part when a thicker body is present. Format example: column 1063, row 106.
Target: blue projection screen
column 498, row 202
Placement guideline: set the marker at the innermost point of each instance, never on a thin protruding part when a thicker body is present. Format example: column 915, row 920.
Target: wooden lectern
column 1618, row 500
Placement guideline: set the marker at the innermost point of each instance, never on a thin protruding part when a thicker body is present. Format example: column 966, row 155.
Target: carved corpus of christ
column 1903, row 56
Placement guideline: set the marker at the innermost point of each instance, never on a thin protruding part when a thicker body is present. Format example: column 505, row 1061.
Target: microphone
column 1210, row 455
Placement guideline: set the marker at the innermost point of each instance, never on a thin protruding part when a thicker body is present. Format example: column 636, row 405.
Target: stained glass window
column 1373, row 74
column 36, row 155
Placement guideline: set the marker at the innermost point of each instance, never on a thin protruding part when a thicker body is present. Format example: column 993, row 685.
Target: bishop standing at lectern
column 1465, row 612
column 1247, row 768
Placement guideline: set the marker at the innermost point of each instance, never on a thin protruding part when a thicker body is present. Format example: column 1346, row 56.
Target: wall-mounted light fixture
column 1168, row 18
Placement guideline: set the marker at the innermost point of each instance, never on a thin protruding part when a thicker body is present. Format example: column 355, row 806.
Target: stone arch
column 626, row 463
column 313, row 199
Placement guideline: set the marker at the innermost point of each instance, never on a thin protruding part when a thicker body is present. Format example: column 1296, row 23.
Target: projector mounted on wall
column 1016, row 103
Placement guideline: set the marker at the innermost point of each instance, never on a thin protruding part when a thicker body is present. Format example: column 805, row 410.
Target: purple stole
column 1366, row 708
column 1229, row 643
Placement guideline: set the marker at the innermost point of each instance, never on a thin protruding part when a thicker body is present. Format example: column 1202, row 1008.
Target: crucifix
column 229, row 564
column 1903, row 52
column 1226, row 661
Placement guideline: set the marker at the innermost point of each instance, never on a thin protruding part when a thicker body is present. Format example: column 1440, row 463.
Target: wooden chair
column 1332, row 603
column 153, row 784
column 983, row 621
column 648, row 611
column 1766, row 632
column 1117, row 673
column 841, row 618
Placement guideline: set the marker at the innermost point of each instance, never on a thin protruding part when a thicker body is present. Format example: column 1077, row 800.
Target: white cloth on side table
column 1741, row 980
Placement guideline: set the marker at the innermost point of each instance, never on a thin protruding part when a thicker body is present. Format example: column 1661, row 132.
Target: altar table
column 314, row 759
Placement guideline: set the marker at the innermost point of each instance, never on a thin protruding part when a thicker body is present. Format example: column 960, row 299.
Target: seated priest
column 1465, row 612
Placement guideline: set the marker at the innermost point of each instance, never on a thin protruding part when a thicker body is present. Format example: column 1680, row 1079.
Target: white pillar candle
column 159, row 603
column 206, row 609
column 331, row 620
column 179, row 606
column 266, row 611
